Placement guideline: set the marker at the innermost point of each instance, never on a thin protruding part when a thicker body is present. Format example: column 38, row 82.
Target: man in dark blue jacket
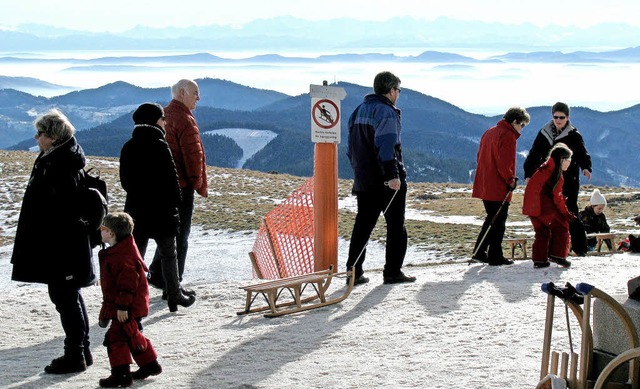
column 380, row 182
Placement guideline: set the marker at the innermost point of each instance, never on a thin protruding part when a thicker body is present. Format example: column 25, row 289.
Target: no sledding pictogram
column 326, row 114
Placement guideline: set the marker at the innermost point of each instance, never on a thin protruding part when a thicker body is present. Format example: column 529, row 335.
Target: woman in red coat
column 545, row 205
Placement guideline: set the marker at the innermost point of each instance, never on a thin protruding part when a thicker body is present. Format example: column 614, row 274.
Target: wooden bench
column 272, row 291
column 518, row 242
column 601, row 237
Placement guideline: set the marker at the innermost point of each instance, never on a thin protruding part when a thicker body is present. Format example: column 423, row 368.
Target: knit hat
column 148, row 113
column 597, row 198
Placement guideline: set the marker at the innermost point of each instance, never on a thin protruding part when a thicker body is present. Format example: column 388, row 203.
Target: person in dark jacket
column 380, row 185
column 52, row 243
column 560, row 129
column 494, row 182
column 594, row 220
column 545, row 205
column 148, row 175
column 125, row 301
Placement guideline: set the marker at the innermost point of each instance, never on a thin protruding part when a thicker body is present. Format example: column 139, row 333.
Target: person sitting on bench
column 594, row 220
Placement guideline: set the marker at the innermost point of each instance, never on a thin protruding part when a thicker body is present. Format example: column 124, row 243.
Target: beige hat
column 597, row 198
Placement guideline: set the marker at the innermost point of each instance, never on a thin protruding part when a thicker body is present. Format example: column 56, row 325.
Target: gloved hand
column 104, row 323
column 511, row 187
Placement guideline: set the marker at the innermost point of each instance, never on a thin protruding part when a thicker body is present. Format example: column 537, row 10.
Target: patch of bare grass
column 239, row 199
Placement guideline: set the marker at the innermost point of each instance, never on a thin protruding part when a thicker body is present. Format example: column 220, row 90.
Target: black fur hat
column 148, row 113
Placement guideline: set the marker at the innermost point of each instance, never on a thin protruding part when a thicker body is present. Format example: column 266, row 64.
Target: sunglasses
column 398, row 89
column 559, row 117
column 39, row 133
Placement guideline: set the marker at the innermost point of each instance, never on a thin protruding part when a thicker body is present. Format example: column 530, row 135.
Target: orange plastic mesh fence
column 284, row 245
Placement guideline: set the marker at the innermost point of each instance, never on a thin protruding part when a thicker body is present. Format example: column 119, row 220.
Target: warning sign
column 325, row 113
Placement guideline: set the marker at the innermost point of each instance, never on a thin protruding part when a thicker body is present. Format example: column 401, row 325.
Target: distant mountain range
column 440, row 140
column 628, row 55
column 292, row 34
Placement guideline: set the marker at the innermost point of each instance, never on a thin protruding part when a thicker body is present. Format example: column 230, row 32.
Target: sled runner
column 295, row 286
column 576, row 370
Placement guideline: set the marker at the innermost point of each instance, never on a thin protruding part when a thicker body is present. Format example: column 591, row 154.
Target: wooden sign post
column 325, row 132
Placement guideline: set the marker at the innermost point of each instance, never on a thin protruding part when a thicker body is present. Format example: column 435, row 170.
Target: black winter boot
column 151, row 368
column 180, row 299
column 66, row 364
column 120, row 378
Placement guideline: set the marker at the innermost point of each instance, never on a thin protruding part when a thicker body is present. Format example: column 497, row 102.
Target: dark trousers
column 570, row 190
column 73, row 316
column 185, row 210
column 551, row 239
column 491, row 247
column 166, row 247
column 370, row 205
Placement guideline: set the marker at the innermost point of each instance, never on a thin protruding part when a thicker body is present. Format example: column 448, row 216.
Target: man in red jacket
column 183, row 137
column 495, row 180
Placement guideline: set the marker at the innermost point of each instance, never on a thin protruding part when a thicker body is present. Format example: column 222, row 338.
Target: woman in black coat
column 148, row 175
column 560, row 130
column 52, row 244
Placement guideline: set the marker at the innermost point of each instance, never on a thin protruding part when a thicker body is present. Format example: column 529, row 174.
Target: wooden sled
column 600, row 238
column 273, row 290
column 521, row 243
column 576, row 370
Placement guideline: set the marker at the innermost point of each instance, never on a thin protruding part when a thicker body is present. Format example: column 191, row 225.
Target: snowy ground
column 458, row 326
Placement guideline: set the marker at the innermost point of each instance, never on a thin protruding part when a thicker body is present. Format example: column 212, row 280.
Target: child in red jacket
column 545, row 205
column 125, row 302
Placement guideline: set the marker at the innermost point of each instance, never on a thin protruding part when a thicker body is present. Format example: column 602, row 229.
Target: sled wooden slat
column 295, row 286
column 600, row 240
column 519, row 242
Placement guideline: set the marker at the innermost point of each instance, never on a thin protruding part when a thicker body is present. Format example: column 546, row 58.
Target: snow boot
column 151, row 368
column 120, row 378
column 66, row 364
column 562, row 262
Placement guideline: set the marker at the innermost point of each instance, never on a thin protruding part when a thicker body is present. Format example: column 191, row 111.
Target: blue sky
column 121, row 15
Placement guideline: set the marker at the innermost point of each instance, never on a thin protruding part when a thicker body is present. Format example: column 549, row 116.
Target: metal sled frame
column 273, row 290
column 577, row 378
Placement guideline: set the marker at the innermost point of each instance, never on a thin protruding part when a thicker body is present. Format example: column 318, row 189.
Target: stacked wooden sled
column 561, row 370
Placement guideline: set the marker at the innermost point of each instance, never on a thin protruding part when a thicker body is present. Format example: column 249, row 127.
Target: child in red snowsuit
column 125, row 301
column 545, row 205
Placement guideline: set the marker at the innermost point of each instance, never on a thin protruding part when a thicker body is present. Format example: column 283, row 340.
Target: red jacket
column 183, row 137
column 123, row 280
column 496, row 163
column 542, row 201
